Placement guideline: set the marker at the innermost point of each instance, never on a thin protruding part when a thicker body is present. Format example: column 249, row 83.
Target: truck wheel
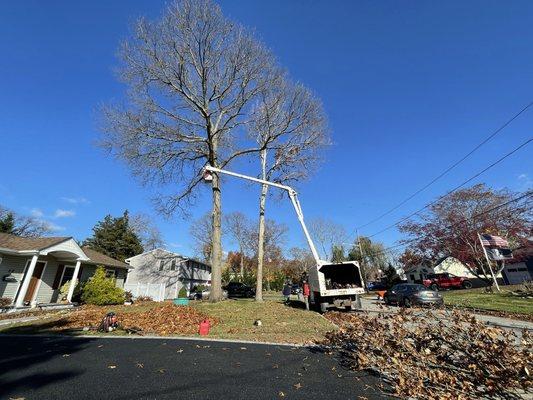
column 324, row 307
column 434, row 287
column 467, row 285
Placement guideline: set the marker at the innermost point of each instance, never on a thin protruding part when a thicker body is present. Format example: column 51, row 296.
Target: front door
column 34, row 282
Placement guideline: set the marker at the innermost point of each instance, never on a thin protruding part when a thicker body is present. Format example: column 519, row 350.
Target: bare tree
column 327, row 234
column 238, row 226
column 21, row 225
column 290, row 128
column 201, row 232
column 192, row 78
column 145, row 228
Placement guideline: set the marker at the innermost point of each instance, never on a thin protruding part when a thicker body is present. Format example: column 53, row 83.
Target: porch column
column 26, row 281
column 73, row 281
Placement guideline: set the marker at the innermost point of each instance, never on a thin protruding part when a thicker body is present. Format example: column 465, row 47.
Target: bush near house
column 182, row 293
column 101, row 291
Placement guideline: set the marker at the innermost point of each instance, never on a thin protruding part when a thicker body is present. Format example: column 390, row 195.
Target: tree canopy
column 449, row 226
column 21, row 225
column 115, row 237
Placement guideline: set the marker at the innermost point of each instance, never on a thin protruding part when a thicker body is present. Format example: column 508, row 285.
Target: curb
column 132, row 337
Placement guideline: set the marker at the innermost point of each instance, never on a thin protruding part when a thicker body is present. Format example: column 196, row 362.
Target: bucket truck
column 333, row 285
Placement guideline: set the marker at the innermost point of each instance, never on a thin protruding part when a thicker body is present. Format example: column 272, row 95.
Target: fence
column 155, row 290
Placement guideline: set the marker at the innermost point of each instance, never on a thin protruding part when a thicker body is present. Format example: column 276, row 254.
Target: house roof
column 19, row 243
column 169, row 252
column 99, row 258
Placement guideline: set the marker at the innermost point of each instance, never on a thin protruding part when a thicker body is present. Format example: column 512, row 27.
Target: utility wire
column 388, row 249
column 449, row 168
column 454, row 189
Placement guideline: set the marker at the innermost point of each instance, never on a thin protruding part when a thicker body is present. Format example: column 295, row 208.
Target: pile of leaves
column 162, row 319
column 432, row 355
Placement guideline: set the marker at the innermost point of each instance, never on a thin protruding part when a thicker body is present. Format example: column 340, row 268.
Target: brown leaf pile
column 428, row 355
column 162, row 319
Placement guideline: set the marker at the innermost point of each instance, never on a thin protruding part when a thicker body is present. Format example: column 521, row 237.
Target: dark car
column 239, row 289
column 376, row 285
column 409, row 294
column 296, row 289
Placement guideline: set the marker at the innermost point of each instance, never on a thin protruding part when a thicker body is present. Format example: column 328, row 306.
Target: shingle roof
column 19, row 243
column 99, row 258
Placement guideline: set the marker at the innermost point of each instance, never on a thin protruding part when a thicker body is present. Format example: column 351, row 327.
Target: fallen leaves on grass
column 162, row 319
column 425, row 355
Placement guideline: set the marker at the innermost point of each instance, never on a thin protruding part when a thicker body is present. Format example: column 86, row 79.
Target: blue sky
column 409, row 88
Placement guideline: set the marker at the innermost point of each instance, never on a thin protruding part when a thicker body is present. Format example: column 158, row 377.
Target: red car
column 446, row 281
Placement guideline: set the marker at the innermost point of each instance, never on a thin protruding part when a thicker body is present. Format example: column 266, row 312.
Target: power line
column 388, row 249
column 449, row 168
column 454, row 189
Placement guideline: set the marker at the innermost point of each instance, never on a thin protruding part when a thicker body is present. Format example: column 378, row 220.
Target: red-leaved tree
column 449, row 226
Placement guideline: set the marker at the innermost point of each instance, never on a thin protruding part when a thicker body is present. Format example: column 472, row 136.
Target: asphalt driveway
column 85, row 368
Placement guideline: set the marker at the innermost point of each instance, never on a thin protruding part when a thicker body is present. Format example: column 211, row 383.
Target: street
column 124, row 368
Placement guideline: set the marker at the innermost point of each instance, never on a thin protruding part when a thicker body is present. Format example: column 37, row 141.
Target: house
column 520, row 268
column 450, row 265
column 32, row 270
column 166, row 273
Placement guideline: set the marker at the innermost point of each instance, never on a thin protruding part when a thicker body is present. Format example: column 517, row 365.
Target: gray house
column 163, row 273
column 32, row 270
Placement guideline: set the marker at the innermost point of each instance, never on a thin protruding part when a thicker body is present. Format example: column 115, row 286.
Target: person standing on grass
column 287, row 292
column 306, row 293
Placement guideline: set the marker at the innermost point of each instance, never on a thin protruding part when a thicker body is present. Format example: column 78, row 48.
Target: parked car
column 376, row 285
column 239, row 289
column 408, row 294
column 296, row 289
column 446, row 280
column 203, row 294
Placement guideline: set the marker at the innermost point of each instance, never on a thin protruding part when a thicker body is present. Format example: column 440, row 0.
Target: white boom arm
column 293, row 195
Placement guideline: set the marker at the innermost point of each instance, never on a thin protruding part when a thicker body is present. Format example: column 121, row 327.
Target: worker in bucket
column 287, row 292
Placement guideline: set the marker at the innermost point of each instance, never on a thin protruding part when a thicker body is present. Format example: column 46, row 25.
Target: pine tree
column 115, row 238
column 7, row 223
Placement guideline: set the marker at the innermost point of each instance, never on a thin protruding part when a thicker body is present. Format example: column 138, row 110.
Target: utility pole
column 360, row 248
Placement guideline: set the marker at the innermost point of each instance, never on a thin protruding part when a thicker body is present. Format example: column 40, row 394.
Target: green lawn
column 280, row 323
column 497, row 301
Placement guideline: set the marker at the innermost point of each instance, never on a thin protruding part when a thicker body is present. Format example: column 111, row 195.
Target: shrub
column 143, row 298
column 182, row 293
column 5, row 302
column 63, row 291
column 128, row 296
column 101, row 291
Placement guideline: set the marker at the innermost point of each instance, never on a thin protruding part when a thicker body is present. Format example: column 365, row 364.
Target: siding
column 16, row 264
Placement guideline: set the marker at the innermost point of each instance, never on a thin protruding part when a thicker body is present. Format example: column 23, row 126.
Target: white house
column 161, row 274
column 447, row 264
column 32, row 270
column 520, row 268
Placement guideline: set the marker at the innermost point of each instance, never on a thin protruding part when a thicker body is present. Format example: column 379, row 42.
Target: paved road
column 99, row 368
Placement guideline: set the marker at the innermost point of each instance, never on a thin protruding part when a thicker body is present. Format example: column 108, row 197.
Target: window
column 412, row 276
column 173, row 265
column 522, row 269
column 161, row 265
column 110, row 273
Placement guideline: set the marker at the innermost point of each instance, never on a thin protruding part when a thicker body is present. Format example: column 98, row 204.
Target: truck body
column 336, row 285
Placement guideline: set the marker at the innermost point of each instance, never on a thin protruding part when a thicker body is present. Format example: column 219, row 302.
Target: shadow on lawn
column 21, row 354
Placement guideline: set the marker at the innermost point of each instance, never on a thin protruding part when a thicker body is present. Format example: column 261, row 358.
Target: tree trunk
column 216, row 246
column 242, row 262
column 261, row 240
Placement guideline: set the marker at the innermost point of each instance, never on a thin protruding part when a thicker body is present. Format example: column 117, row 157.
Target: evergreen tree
column 7, row 223
column 115, row 237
